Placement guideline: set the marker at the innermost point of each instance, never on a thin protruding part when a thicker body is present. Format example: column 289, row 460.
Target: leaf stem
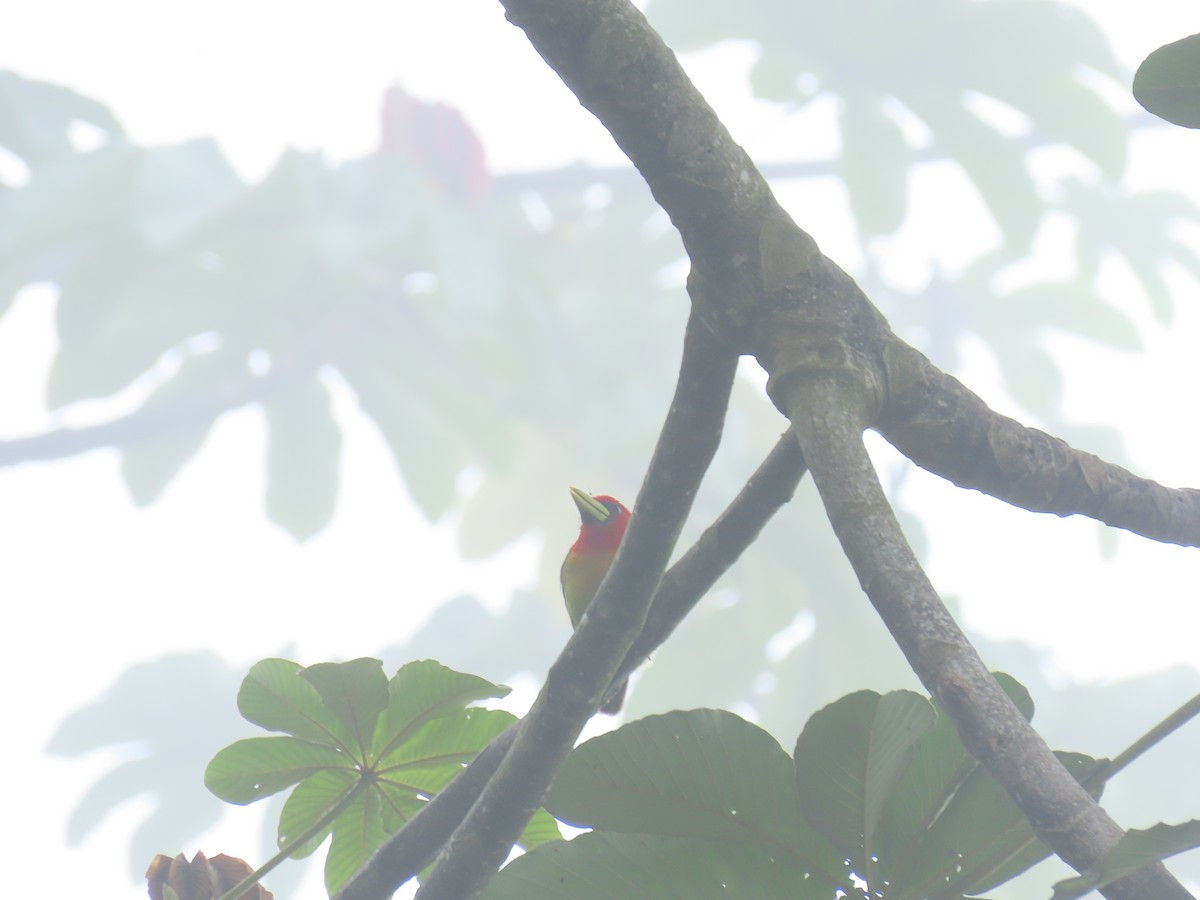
column 312, row 831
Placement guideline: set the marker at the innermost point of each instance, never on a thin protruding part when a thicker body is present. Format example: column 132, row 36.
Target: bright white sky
column 92, row 583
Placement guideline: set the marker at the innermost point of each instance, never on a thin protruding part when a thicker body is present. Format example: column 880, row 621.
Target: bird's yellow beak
column 589, row 507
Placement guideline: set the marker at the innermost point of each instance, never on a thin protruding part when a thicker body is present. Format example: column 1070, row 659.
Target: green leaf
column 425, row 762
column 424, row 690
column 355, row 692
column 601, row 866
column 274, row 696
column 849, row 758
column 357, row 833
column 1138, row 848
column 303, row 452
column 1167, row 82
column 939, row 767
column 314, row 798
column 542, row 829
column 700, row 774
column 254, row 768
column 351, row 768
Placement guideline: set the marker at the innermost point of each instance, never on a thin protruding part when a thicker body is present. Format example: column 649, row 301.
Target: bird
column 603, row 521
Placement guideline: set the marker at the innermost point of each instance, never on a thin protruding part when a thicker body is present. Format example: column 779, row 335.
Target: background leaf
column 303, row 452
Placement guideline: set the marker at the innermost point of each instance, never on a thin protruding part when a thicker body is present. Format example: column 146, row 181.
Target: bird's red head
column 603, row 521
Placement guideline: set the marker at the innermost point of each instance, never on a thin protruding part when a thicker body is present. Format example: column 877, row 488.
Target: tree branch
column 991, row 727
column 578, row 679
column 768, row 489
column 743, row 245
column 939, row 424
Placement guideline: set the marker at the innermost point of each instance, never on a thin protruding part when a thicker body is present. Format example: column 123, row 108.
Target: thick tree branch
column 942, row 426
column 991, row 727
column 577, row 680
column 742, row 245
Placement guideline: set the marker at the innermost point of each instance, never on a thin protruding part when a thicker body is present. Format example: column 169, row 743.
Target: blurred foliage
column 168, row 717
column 524, row 329
column 888, row 63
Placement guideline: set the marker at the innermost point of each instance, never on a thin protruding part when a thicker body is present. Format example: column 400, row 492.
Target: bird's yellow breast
column 581, row 576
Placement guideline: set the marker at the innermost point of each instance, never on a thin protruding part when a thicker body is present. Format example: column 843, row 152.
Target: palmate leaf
column 275, row 697
column 357, row 833
column 310, row 802
column 425, row 690
column 259, row 767
column 356, row 692
column 364, row 753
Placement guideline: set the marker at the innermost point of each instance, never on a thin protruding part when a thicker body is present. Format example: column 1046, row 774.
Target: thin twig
column 1155, row 735
column 735, row 529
